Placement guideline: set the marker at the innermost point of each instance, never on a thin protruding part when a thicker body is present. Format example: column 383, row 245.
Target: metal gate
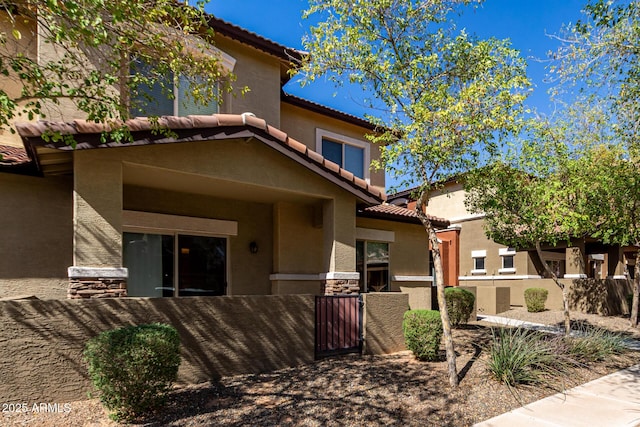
column 338, row 325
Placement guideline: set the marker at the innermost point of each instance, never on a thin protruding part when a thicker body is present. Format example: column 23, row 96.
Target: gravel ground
column 351, row 390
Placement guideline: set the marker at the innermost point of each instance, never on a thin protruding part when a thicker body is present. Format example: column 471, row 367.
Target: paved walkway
column 610, row 401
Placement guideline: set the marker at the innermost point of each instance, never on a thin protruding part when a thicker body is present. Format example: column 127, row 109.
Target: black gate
column 338, row 325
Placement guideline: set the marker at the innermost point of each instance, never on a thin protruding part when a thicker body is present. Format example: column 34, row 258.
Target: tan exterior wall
column 301, row 124
column 448, row 203
column 37, row 235
column 41, row 355
column 383, row 314
column 261, row 73
column 249, row 273
column 408, row 254
column 606, row 297
column 237, row 180
column 473, row 237
column 27, row 45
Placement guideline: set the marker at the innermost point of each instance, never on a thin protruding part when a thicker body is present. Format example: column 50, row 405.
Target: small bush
column 518, row 356
column 133, row 367
column 535, row 299
column 592, row 344
column 459, row 305
column 422, row 333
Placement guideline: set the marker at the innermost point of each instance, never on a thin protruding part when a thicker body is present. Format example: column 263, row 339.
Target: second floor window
column 479, row 265
column 169, row 96
column 348, row 153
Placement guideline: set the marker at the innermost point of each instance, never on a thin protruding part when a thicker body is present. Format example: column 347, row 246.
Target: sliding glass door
column 175, row 265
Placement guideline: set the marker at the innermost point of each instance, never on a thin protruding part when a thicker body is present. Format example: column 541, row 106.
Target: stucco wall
column 383, row 314
column 408, row 254
column 605, row 297
column 249, row 273
column 472, row 238
column 36, row 244
column 41, row 342
column 301, row 124
column 261, row 73
column 27, row 45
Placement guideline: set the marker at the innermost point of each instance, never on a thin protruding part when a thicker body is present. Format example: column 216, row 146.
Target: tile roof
column 259, row 42
column 387, row 211
column 327, row 111
column 12, row 156
column 16, row 160
column 199, row 128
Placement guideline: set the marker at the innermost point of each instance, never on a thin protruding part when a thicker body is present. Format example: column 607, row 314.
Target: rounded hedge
column 422, row 333
column 459, row 305
column 535, row 298
column 133, row 367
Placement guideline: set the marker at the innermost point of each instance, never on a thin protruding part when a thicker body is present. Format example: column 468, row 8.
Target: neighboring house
column 472, row 259
column 271, row 194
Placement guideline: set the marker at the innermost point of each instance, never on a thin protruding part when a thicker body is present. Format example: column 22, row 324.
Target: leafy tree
column 94, row 55
column 525, row 199
column 598, row 65
column 446, row 96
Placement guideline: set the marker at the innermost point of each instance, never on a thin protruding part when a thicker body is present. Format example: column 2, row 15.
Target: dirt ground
column 351, row 390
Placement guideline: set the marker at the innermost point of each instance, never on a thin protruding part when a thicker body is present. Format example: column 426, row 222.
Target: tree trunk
column 563, row 288
column 439, row 273
column 636, row 292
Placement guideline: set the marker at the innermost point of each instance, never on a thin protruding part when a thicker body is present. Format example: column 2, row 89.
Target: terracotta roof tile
column 316, row 157
column 175, row 122
column 251, row 120
column 204, row 121
column 10, row 155
column 360, row 182
column 298, row 146
column 391, row 211
column 334, row 167
column 32, row 132
column 346, row 175
column 277, row 133
column 230, row 120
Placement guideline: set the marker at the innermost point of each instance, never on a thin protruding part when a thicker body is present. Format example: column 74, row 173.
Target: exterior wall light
column 253, row 247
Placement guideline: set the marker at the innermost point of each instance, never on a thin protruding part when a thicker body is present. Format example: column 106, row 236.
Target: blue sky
column 527, row 23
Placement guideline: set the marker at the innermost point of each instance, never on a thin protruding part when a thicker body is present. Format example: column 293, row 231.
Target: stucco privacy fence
column 41, row 341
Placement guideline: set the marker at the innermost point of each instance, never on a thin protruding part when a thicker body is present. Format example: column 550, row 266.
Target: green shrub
column 592, row 344
column 459, row 305
column 520, row 356
column 133, row 367
column 422, row 333
column 535, row 299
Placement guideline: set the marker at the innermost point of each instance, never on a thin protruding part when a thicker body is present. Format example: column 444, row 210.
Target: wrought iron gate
column 338, row 325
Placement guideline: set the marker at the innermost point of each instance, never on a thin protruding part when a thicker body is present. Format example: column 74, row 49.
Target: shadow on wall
column 41, row 342
column 604, row 297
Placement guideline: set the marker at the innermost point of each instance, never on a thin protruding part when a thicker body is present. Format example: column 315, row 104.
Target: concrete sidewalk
column 611, row 401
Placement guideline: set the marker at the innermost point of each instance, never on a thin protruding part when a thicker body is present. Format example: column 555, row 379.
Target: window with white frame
column 508, row 260
column 349, row 153
column 479, row 262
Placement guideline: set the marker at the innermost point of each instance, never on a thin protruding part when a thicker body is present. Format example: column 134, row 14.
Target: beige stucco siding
column 248, row 273
column 261, row 74
column 301, row 124
column 27, row 45
column 408, row 253
column 234, row 180
column 37, row 235
column 448, row 203
column 473, row 238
